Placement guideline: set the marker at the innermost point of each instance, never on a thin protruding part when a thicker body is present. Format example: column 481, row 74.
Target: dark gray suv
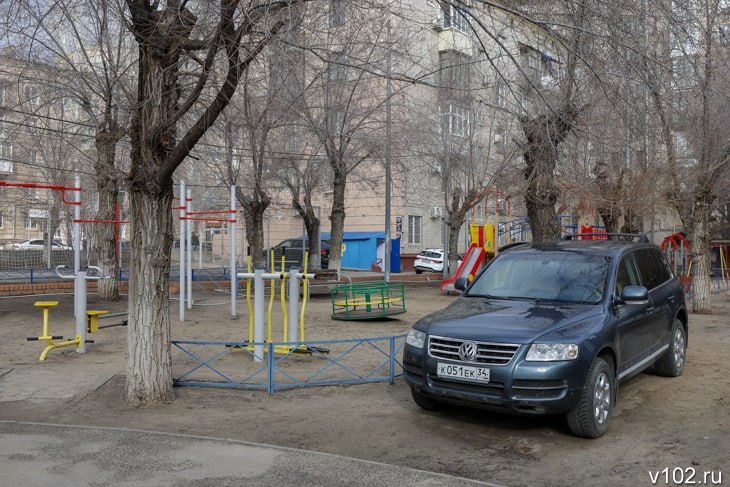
column 552, row 328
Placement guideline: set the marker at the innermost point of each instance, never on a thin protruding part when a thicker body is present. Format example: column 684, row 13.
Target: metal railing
column 287, row 365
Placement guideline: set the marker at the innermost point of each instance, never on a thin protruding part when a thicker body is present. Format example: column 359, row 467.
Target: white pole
column 232, row 232
column 293, row 306
column 80, row 293
column 189, row 249
column 77, row 240
column 182, row 251
column 258, row 315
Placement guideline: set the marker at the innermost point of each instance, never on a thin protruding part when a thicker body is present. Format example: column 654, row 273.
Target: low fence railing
column 287, row 365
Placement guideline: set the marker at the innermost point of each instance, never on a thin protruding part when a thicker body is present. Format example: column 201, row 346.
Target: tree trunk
column 149, row 364
column 253, row 215
column 540, row 197
column 544, row 134
column 337, row 219
column 106, row 233
column 701, row 286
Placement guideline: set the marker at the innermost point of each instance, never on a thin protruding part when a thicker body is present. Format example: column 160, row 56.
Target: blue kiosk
column 364, row 249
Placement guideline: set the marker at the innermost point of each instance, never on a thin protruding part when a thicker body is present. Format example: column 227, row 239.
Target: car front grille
column 488, row 353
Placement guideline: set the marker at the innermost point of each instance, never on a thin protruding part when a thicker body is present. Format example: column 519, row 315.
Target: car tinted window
column 653, row 270
column 558, row 276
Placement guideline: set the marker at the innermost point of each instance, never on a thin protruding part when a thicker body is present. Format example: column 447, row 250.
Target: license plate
column 465, row 372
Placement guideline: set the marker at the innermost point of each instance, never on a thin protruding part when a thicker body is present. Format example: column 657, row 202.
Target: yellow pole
column 304, row 297
column 282, row 290
column 271, row 300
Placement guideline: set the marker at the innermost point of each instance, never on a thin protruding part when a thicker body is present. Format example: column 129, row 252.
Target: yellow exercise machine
column 47, row 305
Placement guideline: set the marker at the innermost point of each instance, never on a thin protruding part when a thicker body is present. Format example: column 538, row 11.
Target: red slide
column 468, row 268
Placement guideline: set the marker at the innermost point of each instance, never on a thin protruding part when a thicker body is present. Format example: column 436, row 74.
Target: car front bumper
column 519, row 387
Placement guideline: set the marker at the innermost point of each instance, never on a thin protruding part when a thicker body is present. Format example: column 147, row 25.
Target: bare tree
column 692, row 106
column 172, row 81
column 86, row 41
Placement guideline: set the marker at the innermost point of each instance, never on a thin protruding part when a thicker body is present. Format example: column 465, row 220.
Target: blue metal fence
column 287, row 365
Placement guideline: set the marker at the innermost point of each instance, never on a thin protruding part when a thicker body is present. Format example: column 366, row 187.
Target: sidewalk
column 34, row 454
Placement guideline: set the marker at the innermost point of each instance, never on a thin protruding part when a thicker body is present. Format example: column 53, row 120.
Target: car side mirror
column 635, row 295
column 461, row 283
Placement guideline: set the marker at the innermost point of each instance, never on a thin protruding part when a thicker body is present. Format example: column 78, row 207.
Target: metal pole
column 182, row 252
column 189, row 248
column 77, row 239
column 258, row 315
column 80, row 292
column 388, row 136
column 293, row 305
column 234, row 280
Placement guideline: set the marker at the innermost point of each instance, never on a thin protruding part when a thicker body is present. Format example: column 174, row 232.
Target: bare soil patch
column 659, row 422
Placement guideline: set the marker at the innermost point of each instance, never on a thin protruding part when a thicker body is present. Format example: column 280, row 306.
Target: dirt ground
column 682, row 424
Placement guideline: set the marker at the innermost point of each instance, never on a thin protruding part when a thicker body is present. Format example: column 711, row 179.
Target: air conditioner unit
column 436, row 212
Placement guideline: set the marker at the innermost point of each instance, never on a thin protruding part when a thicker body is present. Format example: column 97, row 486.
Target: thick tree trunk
column 253, row 215
column 149, row 368
column 701, row 285
column 544, row 134
column 337, row 219
column 105, row 233
column 541, row 197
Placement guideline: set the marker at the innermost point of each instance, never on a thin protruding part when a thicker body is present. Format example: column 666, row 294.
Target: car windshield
column 429, row 254
column 554, row 276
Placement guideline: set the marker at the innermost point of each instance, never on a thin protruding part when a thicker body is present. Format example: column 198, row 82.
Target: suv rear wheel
column 592, row 415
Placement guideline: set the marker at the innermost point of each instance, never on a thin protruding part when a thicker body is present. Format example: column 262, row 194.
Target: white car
column 39, row 244
column 430, row 260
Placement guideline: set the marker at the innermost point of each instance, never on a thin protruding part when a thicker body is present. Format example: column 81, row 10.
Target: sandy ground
column 682, row 424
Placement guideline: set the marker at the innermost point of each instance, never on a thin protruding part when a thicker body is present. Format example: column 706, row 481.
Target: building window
column 2, row 220
column 3, row 95
column 683, row 73
column 502, row 94
column 449, row 16
column 6, row 154
column 414, row 229
column 32, row 96
column 338, row 66
column 338, row 13
column 456, row 120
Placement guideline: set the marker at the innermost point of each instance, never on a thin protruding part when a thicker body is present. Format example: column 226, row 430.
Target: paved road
column 33, row 454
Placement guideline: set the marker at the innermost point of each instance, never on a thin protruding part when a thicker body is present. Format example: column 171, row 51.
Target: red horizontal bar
column 207, row 219
column 100, row 221
column 210, row 212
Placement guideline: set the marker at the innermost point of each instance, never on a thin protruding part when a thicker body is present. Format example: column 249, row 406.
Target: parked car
column 293, row 250
column 552, row 329
column 40, row 244
column 430, row 260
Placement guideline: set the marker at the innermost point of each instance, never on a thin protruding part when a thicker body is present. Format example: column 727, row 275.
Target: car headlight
column 416, row 338
column 550, row 352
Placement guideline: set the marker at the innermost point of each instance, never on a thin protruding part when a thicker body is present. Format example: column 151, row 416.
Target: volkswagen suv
column 552, row 329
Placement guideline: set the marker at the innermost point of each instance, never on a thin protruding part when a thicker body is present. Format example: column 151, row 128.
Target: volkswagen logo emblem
column 468, row 351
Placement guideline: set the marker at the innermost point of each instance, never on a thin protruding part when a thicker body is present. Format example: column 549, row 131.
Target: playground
column 375, row 421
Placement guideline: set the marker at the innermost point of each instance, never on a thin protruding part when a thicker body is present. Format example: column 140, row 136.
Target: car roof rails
column 640, row 237
column 510, row 245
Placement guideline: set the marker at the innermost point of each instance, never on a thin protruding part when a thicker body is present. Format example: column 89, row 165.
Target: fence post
column 391, row 361
column 270, row 366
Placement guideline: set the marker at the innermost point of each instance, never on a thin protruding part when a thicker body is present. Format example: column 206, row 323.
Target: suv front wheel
column 671, row 363
column 592, row 415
